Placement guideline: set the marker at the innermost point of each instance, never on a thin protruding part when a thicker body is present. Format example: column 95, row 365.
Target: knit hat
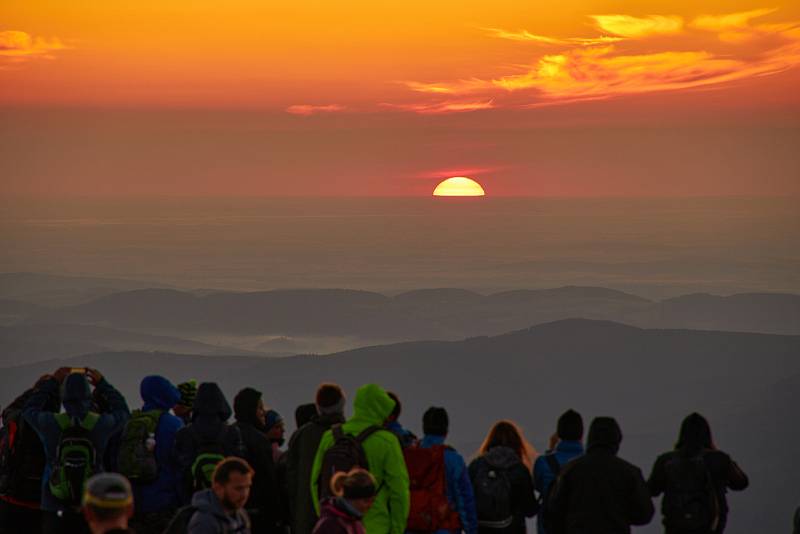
column 273, row 418
column 330, row 399
column 108, row 491
column 188, row 393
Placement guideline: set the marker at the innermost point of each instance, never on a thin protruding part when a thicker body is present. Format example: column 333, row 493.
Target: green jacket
column 388, row 515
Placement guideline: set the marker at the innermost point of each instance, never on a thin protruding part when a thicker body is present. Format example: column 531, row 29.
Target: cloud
column 730, row 21
column 448, row 106
column 638, row 27
column 310, row 109
column 18, row 46
column 524, row 35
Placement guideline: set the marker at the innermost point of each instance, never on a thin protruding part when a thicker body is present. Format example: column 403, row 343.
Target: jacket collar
column 429, row 440
column 573, row 447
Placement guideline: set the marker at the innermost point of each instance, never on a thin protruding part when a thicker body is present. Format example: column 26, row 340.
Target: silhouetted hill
column 14, row 310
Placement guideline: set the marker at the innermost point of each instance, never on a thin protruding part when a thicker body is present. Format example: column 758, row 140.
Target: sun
column 459, row 186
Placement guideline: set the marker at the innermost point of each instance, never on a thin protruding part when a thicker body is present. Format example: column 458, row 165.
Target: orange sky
column 459, row 67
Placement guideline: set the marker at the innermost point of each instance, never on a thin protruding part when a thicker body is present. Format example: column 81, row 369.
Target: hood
column 304, row 413
column 695, row 435
column 206, row 501
column 372, row 404
column 501, row 456
column 210, row 403
column 244, row 406
column 76, row 395
column 158, row 393
column 604, row 433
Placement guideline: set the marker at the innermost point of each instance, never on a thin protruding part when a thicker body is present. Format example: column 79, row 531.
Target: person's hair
column 570, row 426
column 231, row 464
column 435, row 421
column 328, row 395
column 357, row 483
column 695, row 435
column 398, row 408
column 507, row 434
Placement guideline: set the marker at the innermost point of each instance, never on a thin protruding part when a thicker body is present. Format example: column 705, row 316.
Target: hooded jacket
column 459, row 486
column 158, row 393
column 76, row 396
column 600, row 492
column 523, row 500
column 210, row 414
column 211, row 518
column 372, row 406
column 303, row 447
column 338, row 517
column 266, row 495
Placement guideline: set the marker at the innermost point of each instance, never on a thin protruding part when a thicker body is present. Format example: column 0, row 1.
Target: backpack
column 210, row 452
column 430, row 509
column 22, row 462
column 76, row 458
column 346, row 453
column 179, row 524
column 690, row 498
column 492, row 496
column 545, row 513
column 137, row 450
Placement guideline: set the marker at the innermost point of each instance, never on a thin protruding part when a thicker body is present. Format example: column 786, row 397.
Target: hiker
column 406, row 437
column 354, row 494
column 442, row 500
column 329, row 410
column 146, row 455
column 74, row 441
column 694, row 478
column 501, row 481
column 599, row 492
column 275, row 429
column 202, row 444
column 108, row 504
column 266, row 505
column 183, row 409
column 221, row 508
column 565, row 445
column 369, row 442
column 304, row 414
column 22, row 463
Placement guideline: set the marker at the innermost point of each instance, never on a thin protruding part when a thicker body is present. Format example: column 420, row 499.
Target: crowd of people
column 178, row 464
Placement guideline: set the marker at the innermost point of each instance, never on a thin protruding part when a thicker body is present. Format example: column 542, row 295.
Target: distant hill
column 747, row 384
column 14, row 310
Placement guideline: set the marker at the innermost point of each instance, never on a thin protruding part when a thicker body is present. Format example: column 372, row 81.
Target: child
column 354, row 494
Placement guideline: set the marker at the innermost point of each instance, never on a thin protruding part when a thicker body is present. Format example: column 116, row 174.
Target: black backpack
column 690, row 499
column 492, row 496
column 179, row 524
column 545, row 513
column 346, row 453
column 22, row 461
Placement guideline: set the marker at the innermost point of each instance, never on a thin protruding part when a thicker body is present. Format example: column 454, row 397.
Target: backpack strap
column 552, row 462
column 90, row 421
column 367, row 432
column 338, row 432
column 62, row 420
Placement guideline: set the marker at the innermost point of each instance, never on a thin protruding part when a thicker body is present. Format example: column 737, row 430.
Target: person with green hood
column 371, row 408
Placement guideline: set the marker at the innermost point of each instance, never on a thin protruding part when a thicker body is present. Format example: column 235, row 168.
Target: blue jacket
column 77, row 403
column 158, row 393
column 459, row 487
column 543, row 476
column 406, row 437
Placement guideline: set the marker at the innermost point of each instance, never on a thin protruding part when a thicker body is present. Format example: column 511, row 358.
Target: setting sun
column 459, row 186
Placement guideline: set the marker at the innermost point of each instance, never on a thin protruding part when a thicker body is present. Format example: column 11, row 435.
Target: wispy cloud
column 526, row 36
column 638, row 27
column 729, row 21
column 18, row 46
column 448, row 106
column 310, row 109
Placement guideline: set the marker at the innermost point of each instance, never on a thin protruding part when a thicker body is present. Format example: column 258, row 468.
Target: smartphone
column 79, row 370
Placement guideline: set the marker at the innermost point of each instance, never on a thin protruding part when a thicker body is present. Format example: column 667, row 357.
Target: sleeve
column 165, row 441
column 737, row 480
column 526, row 499
column 316, row 468
column 641, row 503
column 118, row 413
column 395, row 479
column 557, row 504
column 657, row 481
column 292, row 459
column 538, row 479
column 44, row 423
column 464, row 497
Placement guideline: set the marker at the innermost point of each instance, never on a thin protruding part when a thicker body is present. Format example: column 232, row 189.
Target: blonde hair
column 356, row 483
column 507, row 433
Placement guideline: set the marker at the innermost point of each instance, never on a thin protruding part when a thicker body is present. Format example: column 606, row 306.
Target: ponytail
column 356, row 484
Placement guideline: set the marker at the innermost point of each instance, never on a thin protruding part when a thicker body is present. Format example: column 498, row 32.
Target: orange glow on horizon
column 459, row 186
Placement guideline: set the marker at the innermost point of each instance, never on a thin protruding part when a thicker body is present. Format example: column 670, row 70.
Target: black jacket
column 523, row 500
column 303, row 447
column 725, row 474
column 599, row 492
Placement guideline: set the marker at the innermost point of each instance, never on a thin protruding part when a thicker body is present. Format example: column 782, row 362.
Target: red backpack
column 430, row 509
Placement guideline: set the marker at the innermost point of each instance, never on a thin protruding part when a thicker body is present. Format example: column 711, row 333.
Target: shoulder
column 170, row 422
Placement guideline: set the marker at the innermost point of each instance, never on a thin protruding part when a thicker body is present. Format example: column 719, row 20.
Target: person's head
column 231, row 483
column 507, row 434
column 357, row 487
column 372, row 404
column 695, row 435
column 604, row 434
column 188, row 392
column 435, row 422
column 330, row 400
column 274, row 427
column 107, row 502
column 76, row 395
column 248, row 406
column 158, row 392
column 398, row 407
column 304, row 414
column 570, row 426
column 210, row 403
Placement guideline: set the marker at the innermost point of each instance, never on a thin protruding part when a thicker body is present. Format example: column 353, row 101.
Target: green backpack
column 137, row 451
column 75, row 458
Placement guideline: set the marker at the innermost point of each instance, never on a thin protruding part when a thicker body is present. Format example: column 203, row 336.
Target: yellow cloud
column 524, row 35
column 638, row 27
column 310, row 109
column 20, row 46
column 730, row 21
column 435, row 108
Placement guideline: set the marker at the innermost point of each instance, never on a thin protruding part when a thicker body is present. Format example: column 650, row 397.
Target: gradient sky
column 372, row 98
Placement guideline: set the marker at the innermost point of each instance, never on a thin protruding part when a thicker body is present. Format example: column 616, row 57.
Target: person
column 266, row 502
column 275, row 429
column 697, row 474
column 371, row 408
column 354, row 495
column 183, row 409
column 796, row 529
column 600, row 492
column 85, row 431
column 156, row 495
column 458, row 492
column 329, row 410
column 108, row 504
column 304, row 414
column 221, row 508
column 406, row 437
column 501, row 480
column 203, row 443
column 22, row 462
column 565, row 445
